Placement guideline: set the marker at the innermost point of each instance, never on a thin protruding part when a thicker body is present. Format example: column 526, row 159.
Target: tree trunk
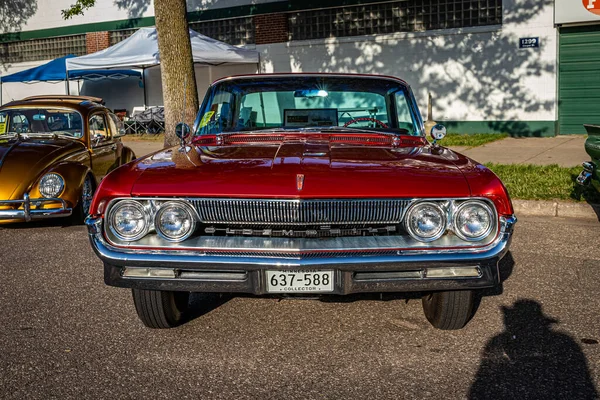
column 176, row 65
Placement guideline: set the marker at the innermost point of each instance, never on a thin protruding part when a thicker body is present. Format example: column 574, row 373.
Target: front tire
column 448, row 310
column 160, row 309
column 81, row 211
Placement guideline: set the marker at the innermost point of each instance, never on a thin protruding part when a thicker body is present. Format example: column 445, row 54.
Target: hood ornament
column 299, row 181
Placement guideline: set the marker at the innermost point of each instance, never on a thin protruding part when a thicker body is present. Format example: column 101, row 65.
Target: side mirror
column 438, row 132
column 182, row 130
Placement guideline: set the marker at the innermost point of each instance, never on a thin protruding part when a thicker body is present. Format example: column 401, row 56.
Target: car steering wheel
column 355, row 120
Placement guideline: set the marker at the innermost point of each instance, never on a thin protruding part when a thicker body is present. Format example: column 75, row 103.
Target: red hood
column 333, row 170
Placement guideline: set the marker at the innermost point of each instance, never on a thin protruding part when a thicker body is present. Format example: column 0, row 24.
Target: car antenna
column 182, row 138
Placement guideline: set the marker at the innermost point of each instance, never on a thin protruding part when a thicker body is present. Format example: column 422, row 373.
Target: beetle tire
column 79, row 214
column 160, row 309
column 448, row 310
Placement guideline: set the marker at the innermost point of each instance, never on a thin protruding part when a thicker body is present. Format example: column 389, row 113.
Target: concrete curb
column 543, row 208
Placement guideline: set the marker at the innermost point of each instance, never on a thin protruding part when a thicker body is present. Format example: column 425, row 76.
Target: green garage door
column 579, row 78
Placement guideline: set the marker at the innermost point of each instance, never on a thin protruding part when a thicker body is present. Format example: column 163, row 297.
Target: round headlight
column 128, row 220
column 51, row 185
column 175, row 221
column 473, row 220
column 425, row 221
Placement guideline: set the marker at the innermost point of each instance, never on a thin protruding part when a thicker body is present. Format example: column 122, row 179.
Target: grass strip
column 543, row 182
column 471, row 140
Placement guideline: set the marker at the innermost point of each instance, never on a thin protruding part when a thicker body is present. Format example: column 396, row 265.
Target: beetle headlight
column 175, row 221
column 473, row 220
column 51, row 185
column 128, row 220
column 425, row 221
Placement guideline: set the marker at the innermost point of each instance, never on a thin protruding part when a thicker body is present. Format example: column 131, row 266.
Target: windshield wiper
column 56, row 134
column 280, row 129
column 401, row 131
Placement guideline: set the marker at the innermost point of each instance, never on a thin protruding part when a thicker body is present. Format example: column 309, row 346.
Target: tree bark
column 176, row 66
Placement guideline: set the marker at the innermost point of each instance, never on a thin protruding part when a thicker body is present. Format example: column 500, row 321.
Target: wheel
column 448, row 310
column 160, row 309
column 82, row 209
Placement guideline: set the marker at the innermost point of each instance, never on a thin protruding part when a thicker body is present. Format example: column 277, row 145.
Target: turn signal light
column 148, row 273
column 453, row 272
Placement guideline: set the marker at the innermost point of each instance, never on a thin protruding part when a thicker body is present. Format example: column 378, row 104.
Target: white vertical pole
column 144, row 85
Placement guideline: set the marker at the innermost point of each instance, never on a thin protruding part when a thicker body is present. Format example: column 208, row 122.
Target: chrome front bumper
column 27, row 214
column 202, row 271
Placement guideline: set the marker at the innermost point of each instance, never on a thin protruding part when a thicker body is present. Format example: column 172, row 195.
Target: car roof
column 311, row 74
column 82, row 104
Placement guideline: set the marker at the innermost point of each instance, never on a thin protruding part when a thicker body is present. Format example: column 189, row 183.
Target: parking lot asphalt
column 64, row 334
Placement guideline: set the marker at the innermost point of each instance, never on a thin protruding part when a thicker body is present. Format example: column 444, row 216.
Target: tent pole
column 144, row 85
column 67, row 83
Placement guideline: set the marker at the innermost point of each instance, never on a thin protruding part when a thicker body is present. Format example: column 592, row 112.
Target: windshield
column 41, row 120
column 306, row 102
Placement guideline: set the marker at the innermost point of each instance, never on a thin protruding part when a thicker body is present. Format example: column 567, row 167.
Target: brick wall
column 271, row 28
column 96, row 41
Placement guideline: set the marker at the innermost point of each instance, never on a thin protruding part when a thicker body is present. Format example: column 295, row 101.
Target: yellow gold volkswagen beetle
column 54, row 150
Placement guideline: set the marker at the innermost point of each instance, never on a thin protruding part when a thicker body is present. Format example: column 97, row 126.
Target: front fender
column 73, row 174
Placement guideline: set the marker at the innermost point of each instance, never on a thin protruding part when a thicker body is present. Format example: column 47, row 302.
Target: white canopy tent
column 140, row 50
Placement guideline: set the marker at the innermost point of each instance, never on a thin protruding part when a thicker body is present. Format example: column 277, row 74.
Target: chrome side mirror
column 182, row 130
column 438, row 132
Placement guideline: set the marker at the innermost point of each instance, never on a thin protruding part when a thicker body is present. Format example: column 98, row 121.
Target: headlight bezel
column 491, row 213
column 110, row 220
column 47, row 176
column 443, row 225
column 184, row 206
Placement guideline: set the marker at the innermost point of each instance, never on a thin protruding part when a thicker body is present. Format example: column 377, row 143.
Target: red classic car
column 303, row 185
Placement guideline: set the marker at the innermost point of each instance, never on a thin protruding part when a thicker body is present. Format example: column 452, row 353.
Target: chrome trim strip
column 199, row 260
column 27, row 214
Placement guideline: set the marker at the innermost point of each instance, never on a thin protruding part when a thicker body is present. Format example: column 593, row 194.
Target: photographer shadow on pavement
column 531, row 360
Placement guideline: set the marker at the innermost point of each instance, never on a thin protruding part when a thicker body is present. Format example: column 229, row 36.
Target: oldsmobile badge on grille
column 299, row 181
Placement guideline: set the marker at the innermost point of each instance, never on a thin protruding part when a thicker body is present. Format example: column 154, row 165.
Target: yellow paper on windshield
column 206, row 119
column 2, row 127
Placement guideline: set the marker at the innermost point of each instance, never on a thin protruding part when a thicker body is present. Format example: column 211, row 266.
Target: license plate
column 299, row 281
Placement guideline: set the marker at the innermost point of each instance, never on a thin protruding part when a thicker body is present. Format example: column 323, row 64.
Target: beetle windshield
column 309, row 102
column 41, row 120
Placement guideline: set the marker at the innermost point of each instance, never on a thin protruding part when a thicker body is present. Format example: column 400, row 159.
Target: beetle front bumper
column 27, row 214
column 403, row 271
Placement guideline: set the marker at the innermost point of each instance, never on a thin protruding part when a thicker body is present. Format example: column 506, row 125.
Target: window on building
column 42, row 49
column 234, row 31
column 118, row 36
column 396, row 16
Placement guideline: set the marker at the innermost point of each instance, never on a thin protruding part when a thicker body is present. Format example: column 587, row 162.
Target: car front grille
column 263, row 212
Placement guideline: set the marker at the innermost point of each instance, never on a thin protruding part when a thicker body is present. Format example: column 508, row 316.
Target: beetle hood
column 22, row 161
column 327, row 170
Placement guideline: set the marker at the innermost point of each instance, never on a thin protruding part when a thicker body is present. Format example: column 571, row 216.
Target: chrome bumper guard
column 27, row 214
column 201, row 271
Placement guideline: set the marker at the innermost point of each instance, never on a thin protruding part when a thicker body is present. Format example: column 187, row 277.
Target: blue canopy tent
column 56, row 71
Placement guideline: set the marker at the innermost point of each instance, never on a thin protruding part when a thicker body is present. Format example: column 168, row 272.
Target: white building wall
column 473, row 74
